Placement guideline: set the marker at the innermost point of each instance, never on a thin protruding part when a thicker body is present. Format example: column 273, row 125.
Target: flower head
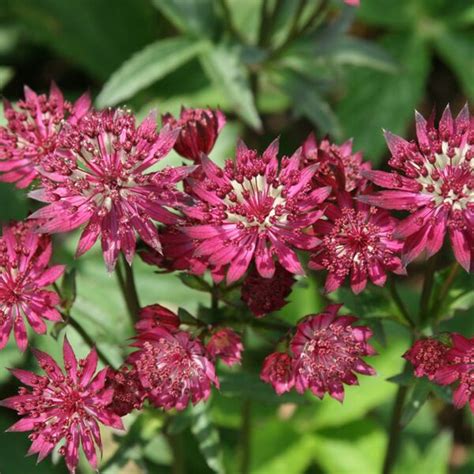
column 277, row 370
column 128, row 393
column 327, row 350
column 32, row 131
column 198, row 131
column 433, row 179
column 357, row 241
column 156, row 315
column 98, row 177
column 24, row 276
column 227, row 345
column 339, row 167
column 264, row 295
column 254, row 209
column 427, row 356
column 64, row 405
column 173, row 368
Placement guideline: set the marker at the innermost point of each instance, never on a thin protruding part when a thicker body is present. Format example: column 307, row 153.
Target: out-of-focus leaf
column 8, row 38
column 246, row 17
column 10, row 357
column 195, row 282
column 457, row 49
column 146, row 67
column 403, row 378
column 207, row 437
column 435, row 459
column 223, row 66
column 375, row 100
column 17, row 204
column 6, row 73
column 96, row 34
column 68, row 289
column 186, row 317
column 418, row 397
column 191, row 16
column 398, row 14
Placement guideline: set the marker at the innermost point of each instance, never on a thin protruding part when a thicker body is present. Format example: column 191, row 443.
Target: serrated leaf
column 207, row 437
column 195, row 282
column 224, row 67
column 147, row 66
column 418, row 397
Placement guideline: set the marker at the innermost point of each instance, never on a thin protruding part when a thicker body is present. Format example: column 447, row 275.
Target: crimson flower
column 264, row 295
column 433, row 179
column 278, row 371
column 32, row 130
column 98, row 177
column 156, row 315
column 24, row 275
column 173, row 368
column 227, row 345
column 427, row 356
column 198, row 131
column 128, row 393
column 357, row 241
column 254, row 209
column 327, row 350
column 67, row 405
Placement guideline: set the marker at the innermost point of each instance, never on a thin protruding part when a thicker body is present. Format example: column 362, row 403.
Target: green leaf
column 68, row 289
column 6, row 73
column 186, row 317
column 195, row 282
column 147, row 66
column 375, row 100
column 207, row 437
column 435, row 459
column 419, row 395
column 223, row 66
column 456, row 48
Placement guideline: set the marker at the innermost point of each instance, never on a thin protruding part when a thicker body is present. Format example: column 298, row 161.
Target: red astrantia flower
column 24, row 276
column 339, row 167
column 128, row 393
column 357, row 240
column 327, row 350
column 434, row 180
column 67, row 406
column 264, row 295
column 254, row 209
column 227, row 345
column 98, row 177
column 31, row 133
column 155, row 315
column 459, row 367
column 277, row 370
column 198, row 131
column 173, row 368
column 427, row 356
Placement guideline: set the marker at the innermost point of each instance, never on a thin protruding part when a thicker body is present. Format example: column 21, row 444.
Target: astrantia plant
column 250, row 234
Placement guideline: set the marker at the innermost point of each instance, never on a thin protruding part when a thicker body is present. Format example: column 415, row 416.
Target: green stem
column 428, row 282
column 214, row 298
column 245, row 436
column 126, row 280
column 399, row 302
column 176, row 444
column 455, row 268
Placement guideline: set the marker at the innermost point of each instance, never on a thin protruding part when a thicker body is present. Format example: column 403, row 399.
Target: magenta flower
column 155, row 315
column 227, row 345
column 353, row 3
column 338, row 166
column 434, row 181
column 459, row 367
column 427, row 356
column 24, row 276
column 277, row 370
column 327, row 350
column 31, row 133
column 98, row 177
column 128, row 393
column 173, row 368
column 254, row 209
column 65, row 405
column 357, row 241
column 264, row 295
column 198, row 131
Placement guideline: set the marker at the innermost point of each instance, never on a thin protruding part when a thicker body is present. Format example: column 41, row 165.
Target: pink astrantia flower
column 67, row 406
column 459, row 368
column 31, row 133
column 264, row 295
column 339, row 166
column 277, row 370
column 427, row 356
column 173, row 368
column 99, row 177
column 156, row 315
column 434, row 181
column 128, row 393
column 24, row 276
column 198, row 131
column 357, row 241
column 254, row 209
column 226, row 345
column 327, row 350
column 354, row 3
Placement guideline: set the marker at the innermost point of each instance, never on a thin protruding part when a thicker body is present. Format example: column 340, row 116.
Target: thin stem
column 245, row 436
column 214, row 298
column 399, row 302
column 176, row 444
column 427, row 290
column 128, row 288
column 455, row 268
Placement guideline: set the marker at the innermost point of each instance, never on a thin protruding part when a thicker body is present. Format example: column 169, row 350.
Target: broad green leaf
column 457, row 49
column 146, row 67
column 207, row 437
column 419, row 395
column 374, row 100
column 223, row 66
